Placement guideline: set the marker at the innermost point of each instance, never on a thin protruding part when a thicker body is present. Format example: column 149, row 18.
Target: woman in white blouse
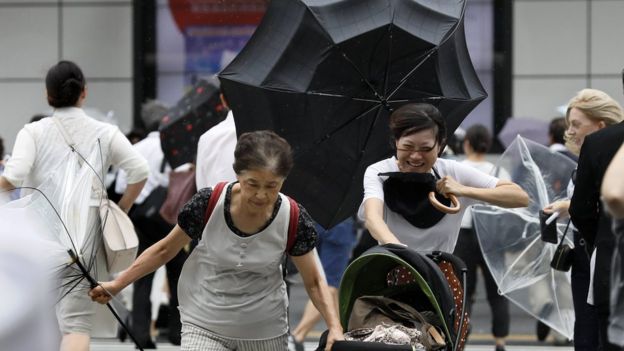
column 40, row 149
column 419, row 131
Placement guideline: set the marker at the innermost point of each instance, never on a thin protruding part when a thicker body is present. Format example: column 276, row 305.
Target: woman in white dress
column 40, row 149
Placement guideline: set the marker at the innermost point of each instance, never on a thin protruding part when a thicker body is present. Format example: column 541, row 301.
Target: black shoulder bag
column 564, row 255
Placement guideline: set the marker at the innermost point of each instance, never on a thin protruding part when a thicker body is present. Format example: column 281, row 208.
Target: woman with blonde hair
column 588, row 111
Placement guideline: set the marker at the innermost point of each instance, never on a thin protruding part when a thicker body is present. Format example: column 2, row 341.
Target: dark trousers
column 467, row 248
column 586, row 330
column 149, row 233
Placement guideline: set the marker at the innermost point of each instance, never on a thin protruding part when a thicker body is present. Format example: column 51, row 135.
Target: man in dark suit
column 590, row 219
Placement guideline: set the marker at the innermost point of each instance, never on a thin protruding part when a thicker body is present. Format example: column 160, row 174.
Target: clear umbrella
column 62, row 214
column 510, row 238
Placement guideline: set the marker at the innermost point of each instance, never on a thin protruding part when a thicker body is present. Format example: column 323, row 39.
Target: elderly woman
column 231, row 292
column 420, row 135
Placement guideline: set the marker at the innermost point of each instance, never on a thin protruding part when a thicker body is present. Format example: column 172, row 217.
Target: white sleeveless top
column 232, row 285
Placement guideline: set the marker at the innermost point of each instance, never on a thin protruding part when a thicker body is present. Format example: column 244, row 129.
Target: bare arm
column 5, row 188
column 152, row 258
column 318, row 291
column 505, row 194
column 374, row 222
column 131, row 193
column 612, row 189
column 5, row 184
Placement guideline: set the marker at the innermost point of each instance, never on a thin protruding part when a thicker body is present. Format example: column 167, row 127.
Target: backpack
column 292, row 224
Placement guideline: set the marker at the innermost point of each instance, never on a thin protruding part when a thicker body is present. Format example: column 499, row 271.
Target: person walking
column 586, row 211
column 477, row 142
column 589, row 111
column 40, row 148
column 151, row 227
column 215, row 152
column 231, row 290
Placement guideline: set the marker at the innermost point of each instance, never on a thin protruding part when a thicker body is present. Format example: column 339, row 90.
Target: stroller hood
column 367, row 275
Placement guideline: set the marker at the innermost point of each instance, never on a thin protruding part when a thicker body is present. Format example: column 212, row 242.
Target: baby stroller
column 404, row 280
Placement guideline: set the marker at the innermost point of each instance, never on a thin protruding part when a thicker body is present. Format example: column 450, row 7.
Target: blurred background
column 531, row 56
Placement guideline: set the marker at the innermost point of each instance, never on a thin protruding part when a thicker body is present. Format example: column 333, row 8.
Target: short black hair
column 64, row 82
column 556, row 130
column 38, row 117
column 415, row 117
column 479, row 138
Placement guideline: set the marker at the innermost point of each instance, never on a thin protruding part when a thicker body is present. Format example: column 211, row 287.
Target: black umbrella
column 199, row 110
column 325, row 75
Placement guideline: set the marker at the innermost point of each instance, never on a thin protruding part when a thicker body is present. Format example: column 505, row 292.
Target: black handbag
column 149, row 209
column 564, row 254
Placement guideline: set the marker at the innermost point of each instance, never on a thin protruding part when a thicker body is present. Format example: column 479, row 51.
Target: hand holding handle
column 456, row 206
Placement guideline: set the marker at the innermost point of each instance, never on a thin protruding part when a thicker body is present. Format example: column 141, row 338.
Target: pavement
column 114, row 345
column 522, row 329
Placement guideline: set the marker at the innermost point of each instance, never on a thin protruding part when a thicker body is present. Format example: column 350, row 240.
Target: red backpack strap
column 214, row 197
column 292, row 224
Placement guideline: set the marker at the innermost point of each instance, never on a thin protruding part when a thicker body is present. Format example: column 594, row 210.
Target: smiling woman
column 231, row 292
column 396, row 211
column 588, row 111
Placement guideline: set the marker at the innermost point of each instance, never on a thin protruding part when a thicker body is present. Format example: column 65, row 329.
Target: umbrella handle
column 440, row 207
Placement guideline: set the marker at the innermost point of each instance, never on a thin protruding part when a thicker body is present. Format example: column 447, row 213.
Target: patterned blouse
column 191, row 220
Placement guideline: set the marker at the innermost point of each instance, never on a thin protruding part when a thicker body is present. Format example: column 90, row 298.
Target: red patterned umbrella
column 199, row 110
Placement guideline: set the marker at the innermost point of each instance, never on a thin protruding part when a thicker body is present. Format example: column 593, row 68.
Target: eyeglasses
column 422, row 150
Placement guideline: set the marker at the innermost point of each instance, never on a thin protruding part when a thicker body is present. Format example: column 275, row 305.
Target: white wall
column 560, row 47
column 97, row 35
column 563, row 46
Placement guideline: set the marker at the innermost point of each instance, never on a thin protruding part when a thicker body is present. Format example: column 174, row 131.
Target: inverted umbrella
column 511, row 242
column 325, row 75
column 199, row 110
column 57, row 213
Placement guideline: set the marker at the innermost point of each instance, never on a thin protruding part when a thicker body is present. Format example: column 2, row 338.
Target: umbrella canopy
column 325, row 75
column 199, row 110
column 62, row 235
column 511, row 242
column 529, row 128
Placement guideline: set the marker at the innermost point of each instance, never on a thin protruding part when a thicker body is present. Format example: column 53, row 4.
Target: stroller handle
column 457, row 262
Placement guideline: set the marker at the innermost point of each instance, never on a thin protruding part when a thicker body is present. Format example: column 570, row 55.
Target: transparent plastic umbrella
column 510, row 238
column 62, row 214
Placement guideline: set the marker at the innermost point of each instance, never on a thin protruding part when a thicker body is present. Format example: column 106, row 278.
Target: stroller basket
column 428, row 290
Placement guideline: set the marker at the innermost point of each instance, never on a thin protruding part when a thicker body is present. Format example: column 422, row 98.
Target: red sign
column 188, row 13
